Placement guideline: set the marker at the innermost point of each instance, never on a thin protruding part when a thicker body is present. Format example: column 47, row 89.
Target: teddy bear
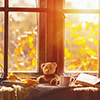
column 49, row 76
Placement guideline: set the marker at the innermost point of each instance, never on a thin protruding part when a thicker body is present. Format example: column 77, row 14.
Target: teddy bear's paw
column 53, row 82
column 41, row 80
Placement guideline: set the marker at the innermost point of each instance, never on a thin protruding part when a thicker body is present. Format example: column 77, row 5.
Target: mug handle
column 72, row 80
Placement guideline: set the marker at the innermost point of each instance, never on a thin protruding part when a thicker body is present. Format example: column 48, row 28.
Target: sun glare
column 89, row 18
column 23, row 3
column 31, row 1
column 83, row 24
column 84, row 4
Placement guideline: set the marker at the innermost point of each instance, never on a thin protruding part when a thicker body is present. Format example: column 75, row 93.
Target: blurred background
column 81, row 36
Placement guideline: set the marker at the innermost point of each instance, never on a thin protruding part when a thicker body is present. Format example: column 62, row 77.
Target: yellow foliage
column 71, row 67
column 18, row 50
column 18, row 68
column 1, row 56
column 97, row 33
column 1, row 29
column 82, row 62
column 82, row 35
column 90, row 51
column 75, row 35
column 87, row 25
column 68, row 41
column 8, row 57
column 93, row 31
column 32, row 52
column 80, row 41
column 69, row 24
column 78, row 34
column 76, row 27
column 29, row 62
column 95, row 68
column 34, row 61
column 68, row 55
column 10, row 74
column 1, row 65
column 82, row 51
column 13, row 77
column 66, row 50
column 30, row 45
column 30, row 39
column 96, row 42
column 30, row 82
column 22, row 42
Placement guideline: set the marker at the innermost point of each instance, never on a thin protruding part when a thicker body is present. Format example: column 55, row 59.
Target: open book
column 88, row 80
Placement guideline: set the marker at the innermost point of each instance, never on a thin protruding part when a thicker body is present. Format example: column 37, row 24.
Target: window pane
column 1, row 3
column 24, row 3
column 81, row 42
column 22, row 41
column 1, row 42
column 82, row 4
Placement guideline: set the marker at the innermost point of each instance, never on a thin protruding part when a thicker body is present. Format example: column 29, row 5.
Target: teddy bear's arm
column 41, row 79
column 57, row 77
column 55, row 80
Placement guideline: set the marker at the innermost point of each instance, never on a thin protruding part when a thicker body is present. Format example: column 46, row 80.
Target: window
column 82, row 35
column 42, row 33
column 49, row 36
column 20, row 30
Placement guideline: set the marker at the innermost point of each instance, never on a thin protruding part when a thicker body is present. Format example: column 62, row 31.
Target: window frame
column 6, row 9
column 53, row 40
column 51, row 37
column 87, row 11
column 52, row 44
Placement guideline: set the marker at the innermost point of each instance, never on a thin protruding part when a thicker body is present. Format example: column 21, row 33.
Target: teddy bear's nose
column 47, row 70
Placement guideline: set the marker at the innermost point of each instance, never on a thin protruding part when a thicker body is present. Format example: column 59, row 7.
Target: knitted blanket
column 65, row 93
column 47, row 92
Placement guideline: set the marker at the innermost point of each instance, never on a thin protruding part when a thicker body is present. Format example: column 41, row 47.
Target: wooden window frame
column 6, row 9
column 51, row 36
column 87, row 11
column 52, row 42
column 51, row 32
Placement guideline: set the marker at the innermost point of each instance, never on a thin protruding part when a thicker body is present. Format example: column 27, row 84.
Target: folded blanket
column 48, row 92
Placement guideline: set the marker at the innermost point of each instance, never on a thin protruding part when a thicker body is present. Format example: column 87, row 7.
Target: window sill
column 26, row 74
column 45, row 92
column 76, row 73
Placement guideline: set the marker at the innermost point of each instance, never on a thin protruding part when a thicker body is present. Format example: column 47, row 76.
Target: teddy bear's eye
column 49, row 68
column 46, row 68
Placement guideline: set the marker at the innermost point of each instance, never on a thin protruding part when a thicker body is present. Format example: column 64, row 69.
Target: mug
column 65, row 80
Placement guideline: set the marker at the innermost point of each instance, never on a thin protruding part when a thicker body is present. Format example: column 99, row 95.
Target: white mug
column 65, row 80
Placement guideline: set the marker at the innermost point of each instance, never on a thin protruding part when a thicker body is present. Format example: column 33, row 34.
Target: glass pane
column 26, row 3
column 1, row 3
column 81, row 42
column 22, row 41
column 1, row 43
column 82, row 4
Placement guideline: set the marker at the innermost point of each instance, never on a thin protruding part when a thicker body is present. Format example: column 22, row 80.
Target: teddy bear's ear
column 55, row 64
column 42, row 65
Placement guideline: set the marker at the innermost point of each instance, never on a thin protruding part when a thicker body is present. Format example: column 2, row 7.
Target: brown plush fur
column 49, row 69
